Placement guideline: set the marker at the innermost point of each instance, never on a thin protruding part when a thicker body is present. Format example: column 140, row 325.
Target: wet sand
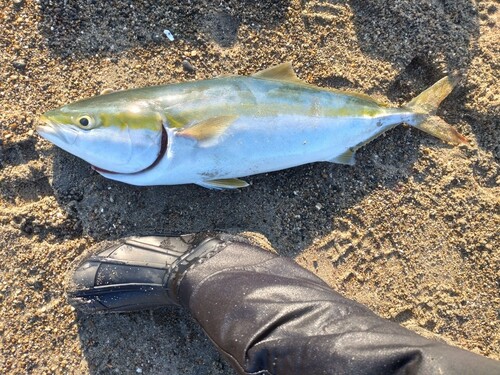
column 412, row 230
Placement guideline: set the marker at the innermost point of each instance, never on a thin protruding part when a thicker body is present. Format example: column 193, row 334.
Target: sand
column 412, row 230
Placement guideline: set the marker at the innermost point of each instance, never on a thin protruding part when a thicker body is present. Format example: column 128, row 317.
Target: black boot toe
column 136, row 273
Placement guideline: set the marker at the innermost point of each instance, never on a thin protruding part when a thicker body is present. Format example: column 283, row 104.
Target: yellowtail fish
column 214, row 131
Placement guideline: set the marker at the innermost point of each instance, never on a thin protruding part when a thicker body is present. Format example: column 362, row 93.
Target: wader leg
column 268, row 315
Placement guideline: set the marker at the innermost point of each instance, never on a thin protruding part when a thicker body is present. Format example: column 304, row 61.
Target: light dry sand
column 412, row 230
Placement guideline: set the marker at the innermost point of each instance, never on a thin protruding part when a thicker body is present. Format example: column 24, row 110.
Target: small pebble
column 156, row 38
column 19, row 64
column 18, row 3
column 168, row 34
column 38, row 285
column 188, row 67
column 319, row 206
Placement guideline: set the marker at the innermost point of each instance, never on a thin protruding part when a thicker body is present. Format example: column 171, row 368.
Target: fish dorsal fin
column 209, row 129
column 281, row 72
column 107, row 91
column 225, row 183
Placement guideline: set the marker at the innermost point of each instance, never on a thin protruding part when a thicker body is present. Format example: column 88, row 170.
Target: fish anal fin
column 209, row 129
column 225, row 183
column 281, row 72
column 347, row 157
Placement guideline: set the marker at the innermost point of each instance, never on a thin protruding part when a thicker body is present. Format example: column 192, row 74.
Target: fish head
column 114, row 135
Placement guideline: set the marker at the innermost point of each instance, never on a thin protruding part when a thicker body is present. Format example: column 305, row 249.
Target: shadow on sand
column 84, row 28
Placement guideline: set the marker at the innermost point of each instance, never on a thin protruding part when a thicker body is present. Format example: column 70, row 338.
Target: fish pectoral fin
column 209, row 129
column 224, row 183
column 281, row 72
column 348, row 157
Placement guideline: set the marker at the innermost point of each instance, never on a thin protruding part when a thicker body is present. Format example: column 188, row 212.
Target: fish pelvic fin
column 424, row 107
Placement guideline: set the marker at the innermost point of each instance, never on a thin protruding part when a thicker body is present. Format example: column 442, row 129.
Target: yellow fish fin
column 281, row 72
column 106, row 91
column 428, row 101
column 225, row 183
column 441, row 129
column 347, row 157
column 210, row 128
column 425, row 105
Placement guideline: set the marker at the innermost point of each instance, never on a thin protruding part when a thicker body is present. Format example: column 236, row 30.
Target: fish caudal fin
column 425, row 105
column 441, row 129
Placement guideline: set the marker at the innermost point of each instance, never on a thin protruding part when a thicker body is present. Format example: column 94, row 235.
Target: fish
column 214, row 132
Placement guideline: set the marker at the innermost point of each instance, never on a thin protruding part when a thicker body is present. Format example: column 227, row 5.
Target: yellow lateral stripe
column 131, row 120
column 179, row 119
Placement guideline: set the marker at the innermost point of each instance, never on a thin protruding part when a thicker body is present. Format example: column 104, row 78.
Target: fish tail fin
column 424, row 107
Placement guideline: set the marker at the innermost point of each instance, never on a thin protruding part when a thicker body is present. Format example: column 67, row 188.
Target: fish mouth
column 163, row 150
column 47, row 129
column 53, row 133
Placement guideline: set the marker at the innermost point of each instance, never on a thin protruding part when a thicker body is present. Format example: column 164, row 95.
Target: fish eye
column 85, row 122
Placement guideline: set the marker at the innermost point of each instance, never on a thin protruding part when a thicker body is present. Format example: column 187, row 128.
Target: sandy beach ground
column 412, row 230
